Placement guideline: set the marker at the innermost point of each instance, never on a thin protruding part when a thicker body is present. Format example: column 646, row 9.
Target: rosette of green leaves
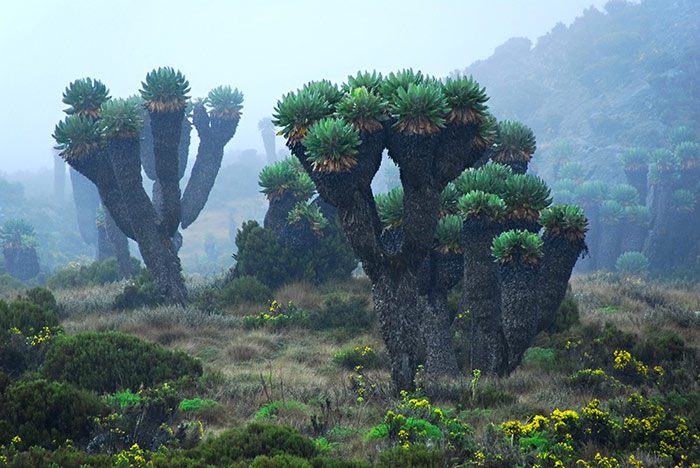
column 515, row 245
column 479, row 203
column 479, row 179
column 635, row 158
column 331, row 145
column 224, row 102
column 571, row 170
column 683, row 201
column 611, row 212
column 568, row 185
column 121, row 118
column 17, row 233
column 329, row 91
column 564, row 197
column 497, row 170
column 85, row 97
column 419, row 109
column 77, row 136
column 448, row 234
column 567, row 221
column 680, row 134
column 309, row 212
column 632, row 264
column 371, row 81
column 688, row 153
column 526, row 195
column 664, row 159
column 297, row 111
column 448, row 199
column 466, row 99
column 638, row 214
column 390, row 207
column 515, row 142
column 625, row 194
column 591, row 192
column 365, row 110
column 286, row 175
column 391, row 84
column 165, row 90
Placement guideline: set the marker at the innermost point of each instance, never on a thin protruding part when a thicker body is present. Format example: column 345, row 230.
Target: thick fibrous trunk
column 152, row 237
column 299, row 236
column 589, row 263
column 637, row 178
column 166, row 128
column 518, row 308
column 21, row 262
column 278, row 211
column 213, row 136
column 104, row 246
column 120, row 243
column 481, row 296
column 609, row 245
column 633, row 237
column 59, row 179
column 560, row 255
column 519, row 167
column 268, row 137
column 86, row 200
column 657, row 248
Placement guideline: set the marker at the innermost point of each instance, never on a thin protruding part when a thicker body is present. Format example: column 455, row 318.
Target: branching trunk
column 104, row 246
column 120, row 243
column 166, row 128
column 518, row 308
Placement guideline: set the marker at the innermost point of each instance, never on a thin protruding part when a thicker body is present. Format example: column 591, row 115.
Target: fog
column 264, row 48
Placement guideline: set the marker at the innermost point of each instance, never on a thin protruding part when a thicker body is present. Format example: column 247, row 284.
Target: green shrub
column 94, row 274
column 142, row 292
column 417, row 456
column 196, row 405
column 280, row 461
column 26, row 316
column 245, row 289
column 351, row 312
column 540, row 357
column 9, row 284
column 47, row 413
column 632, row 264
column 271, row 410
column 64, row 457
column 105, row 362
column 567, row 314
column 277, row 317
column 358, row 356
column 43, row 298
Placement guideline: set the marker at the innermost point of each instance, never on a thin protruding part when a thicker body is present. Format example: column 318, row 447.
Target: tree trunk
column 633, row 237
column 637, row 178
column 656, row 247
column 589, row 263
column 482, row 297
column 560, row 255
column 278, row 211
column 86, row 199
column 518, row 308
column 120, row 243
column 152, row 237
column 104, row 246
column 268, row 138
column 167, row 128
column 21, row 262
column 609, row 245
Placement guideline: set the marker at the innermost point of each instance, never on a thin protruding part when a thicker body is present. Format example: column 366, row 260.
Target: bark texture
column 518, row 308
column 86, row 199
column 120, row 243
column 21, row 262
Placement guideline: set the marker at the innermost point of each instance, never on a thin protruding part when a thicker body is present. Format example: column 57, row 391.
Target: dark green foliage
column 47, row 413
column 448, row 234
column 564, row 220
column 225, row 102
column 141, row 292
column 526, row 192
column 76, row 135
column 611, row 212
column 297, row 111
column 517, row 245
column 448, row 200
column 477, row 203
column 488, row 181
column 17, row 233
column 625, row 194
column 632, row 264
column 514, row 142
column 419, row 108
column 329, row 91
column 350, row 312
column 166, row 87
column 121, row 117
column 85, row 96
column 467, row 100
column 331, row 145
column 358, row 356
column 390, row 207
column 42, row 297
column 363, row 109
column 64, row 457
column 370, row 81
column 277, row 178
column 105, row 362
column 94, row 274
column 415, row 456
column 245, row 289
column 309, row 213
column 27, row 316
column 567, row 314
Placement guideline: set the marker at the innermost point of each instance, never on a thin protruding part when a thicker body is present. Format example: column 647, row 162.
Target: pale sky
column 265, row 48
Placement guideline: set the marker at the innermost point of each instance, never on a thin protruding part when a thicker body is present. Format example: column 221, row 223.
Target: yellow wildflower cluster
column 623, row 359
column 134, row 457
column 363, row 351
column 42, row 336
column 516, row 429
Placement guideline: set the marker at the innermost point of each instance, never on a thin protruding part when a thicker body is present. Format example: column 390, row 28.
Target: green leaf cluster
column 517, row 245
column 85, row 97
column 448, row 234
column 225, row 103
column 77, row 136
column 515, row 141
column 309, row 212
column 564, row 220
column 121, row 118
column 390, row 208
column 479, row 203
column 331, row 145
column 165, row 89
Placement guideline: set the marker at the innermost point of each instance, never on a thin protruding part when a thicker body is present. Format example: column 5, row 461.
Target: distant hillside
column 611, row 80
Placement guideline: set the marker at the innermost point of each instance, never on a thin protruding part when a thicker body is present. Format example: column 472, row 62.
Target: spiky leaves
column 611, row 212
column 466, row 99
column 165, row 90
column 448, row 234
column 390, row 208
column 448, row 200
column 664, row 160
column 85, row 97
column 515, row 142
column 637, row 214
column 77, row 136
column 566, row 221
column 688, row 153
column 480, row 179
column 399, row 80
column 591, row 193
column 280, row 177
column 329, row 91
column 297, row 111
column 517, row 246
column 680, row 134
column 419, row 109
column 365, row 110
column 683, row 201
column 310, row 213
column 635, row 158
column 371, row 81
column 121, row 118
column 331, row 145
column 525, row 196
column 17, row 233
column 477, row 203
column 632, row 264
column 224, row 102
column 625, row 194
column 571, row 171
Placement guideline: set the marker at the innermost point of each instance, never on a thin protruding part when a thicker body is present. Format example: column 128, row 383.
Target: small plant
column 245, row 289
column 358, row 356
column 331, row 145
column 277, row 316
column 448, row 234
column 633, row 264
column 390, row 208
column 477, row 203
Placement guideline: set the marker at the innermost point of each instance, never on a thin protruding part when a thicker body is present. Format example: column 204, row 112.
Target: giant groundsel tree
column 433, row 131
column 102, row 141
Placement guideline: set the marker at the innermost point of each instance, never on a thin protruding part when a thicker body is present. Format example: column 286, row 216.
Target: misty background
column 264, row 48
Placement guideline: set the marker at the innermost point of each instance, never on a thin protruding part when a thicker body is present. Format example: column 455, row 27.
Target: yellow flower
column 622, row 358
column 16, row 439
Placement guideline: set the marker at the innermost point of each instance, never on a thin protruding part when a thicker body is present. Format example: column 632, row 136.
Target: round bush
column 106, row 362
column 245, row 289
column 632, row 264
column 27, row 316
